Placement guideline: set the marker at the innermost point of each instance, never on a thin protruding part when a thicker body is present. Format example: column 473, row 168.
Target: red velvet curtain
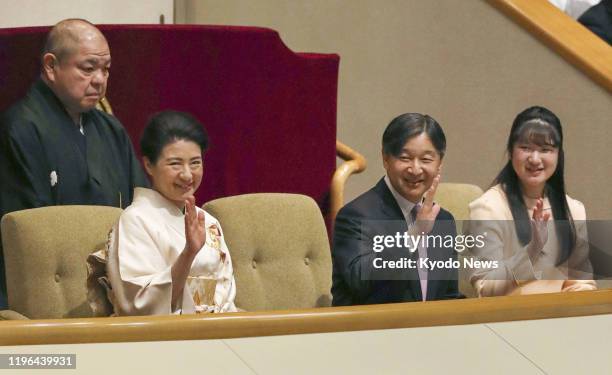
column 270, row 112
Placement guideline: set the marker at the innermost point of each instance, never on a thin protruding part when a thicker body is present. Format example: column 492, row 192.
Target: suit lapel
column 392, row 211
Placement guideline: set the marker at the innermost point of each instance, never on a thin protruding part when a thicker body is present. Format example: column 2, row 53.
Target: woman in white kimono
column 166, row 255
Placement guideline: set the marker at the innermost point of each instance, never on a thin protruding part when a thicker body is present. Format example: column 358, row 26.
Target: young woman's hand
column 539, row 229
column 195, row 231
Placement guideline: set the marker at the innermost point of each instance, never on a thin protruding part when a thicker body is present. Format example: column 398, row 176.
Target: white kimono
column 144, row 245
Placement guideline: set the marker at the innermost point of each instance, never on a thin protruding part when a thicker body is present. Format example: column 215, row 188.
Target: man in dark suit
column 386, row 240
column 598, row 19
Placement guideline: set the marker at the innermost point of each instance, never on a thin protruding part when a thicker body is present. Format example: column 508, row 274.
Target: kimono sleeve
column 139, row 267
column 25, row 181
column 225, row 293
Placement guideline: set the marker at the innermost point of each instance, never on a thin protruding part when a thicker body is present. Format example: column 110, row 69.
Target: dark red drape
column 270, row 113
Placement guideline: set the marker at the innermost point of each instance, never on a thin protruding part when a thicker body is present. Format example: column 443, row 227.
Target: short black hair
column 409, row 125
column 166, row 127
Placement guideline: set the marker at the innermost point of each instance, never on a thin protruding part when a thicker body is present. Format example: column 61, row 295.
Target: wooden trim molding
column 353, row 163
column 574, row 42
column 287, row 322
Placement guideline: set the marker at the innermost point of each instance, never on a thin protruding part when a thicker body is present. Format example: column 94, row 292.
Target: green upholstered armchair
column 279, row 248
column 45, row 252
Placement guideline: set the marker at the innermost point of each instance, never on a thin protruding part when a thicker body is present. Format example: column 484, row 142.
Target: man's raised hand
column 428, row 210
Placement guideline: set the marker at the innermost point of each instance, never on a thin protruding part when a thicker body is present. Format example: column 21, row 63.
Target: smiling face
column 178, row 171
column 535, row 150
column 79, row 79
column 412, row 172
column 534, row 165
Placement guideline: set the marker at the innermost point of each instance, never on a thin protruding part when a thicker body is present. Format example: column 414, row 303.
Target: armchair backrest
column 455, row 198
column 279, row 249
column 45, row 252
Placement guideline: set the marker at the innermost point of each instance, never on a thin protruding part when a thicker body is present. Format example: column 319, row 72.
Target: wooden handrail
column 570, row 39
column 287, row 322
column 354, row 162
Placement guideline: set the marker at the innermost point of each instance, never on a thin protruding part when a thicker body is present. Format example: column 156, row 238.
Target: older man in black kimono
column 55, row 147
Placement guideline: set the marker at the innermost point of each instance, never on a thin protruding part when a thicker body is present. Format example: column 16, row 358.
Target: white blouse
column 142, row 248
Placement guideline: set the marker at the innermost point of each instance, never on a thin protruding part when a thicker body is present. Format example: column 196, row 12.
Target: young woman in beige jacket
column 533, row 232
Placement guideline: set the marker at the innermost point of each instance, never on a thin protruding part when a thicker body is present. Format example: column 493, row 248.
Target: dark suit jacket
column 598, row 19
column 355, row 279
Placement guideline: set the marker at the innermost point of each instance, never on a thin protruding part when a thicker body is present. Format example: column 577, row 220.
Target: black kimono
column 45, row 159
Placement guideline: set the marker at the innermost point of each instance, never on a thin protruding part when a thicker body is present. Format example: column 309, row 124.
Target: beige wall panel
column 17, row 13
column 461, row 61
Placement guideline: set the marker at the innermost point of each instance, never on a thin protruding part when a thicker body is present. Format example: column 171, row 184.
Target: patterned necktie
column 414, row 211
column 422, row 254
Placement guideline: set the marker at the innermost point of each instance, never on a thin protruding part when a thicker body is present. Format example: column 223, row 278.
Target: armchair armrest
column 354, row 162
column 11, row 315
